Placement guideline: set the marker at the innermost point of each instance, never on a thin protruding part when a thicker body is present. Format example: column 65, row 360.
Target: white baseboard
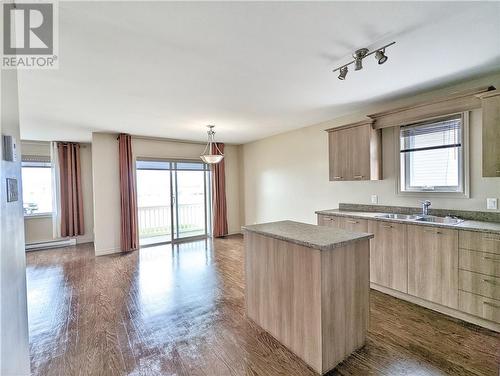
column 56, row 243
column 108, row 251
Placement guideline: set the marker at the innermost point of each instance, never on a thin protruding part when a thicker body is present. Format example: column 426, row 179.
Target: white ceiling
column 252, row 68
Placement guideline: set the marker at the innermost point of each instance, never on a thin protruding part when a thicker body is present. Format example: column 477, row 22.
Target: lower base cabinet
column 388, row 255
column 433, row 264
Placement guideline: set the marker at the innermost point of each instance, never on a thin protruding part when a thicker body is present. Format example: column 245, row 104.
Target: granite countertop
column 312, row 236
column 480, row 226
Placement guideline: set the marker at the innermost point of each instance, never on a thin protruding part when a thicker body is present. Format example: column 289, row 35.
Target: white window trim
column 465, row 162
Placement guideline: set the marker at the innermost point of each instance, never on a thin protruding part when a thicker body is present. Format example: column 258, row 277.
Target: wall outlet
column 492, row 203
column 374, row 199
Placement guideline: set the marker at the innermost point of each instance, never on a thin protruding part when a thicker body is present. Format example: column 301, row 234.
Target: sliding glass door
column 173, row 200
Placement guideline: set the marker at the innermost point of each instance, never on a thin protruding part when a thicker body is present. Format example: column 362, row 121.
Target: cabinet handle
column 492, row 239
column 433, row 231
column 351, row 221
column 491, row 282
column 387, row 226
column 491, row 259
column 358, row 176
column 492, row 304
column 330, row 219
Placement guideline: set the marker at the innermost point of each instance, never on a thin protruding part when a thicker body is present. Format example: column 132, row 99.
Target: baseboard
column 438, row 308
column 109, row 251
column 56, row 243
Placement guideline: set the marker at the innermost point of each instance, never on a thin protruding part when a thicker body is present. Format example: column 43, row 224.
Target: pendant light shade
column 207, row 155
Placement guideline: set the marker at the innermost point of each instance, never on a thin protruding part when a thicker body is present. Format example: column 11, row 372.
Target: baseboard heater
column 50, row 244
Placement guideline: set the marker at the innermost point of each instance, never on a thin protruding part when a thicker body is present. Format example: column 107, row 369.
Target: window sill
column 433, row 194
column 41, row 215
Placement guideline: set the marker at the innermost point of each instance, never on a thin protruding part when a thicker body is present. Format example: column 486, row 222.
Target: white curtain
column 56, row 191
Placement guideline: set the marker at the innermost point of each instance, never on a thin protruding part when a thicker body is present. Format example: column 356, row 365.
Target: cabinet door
column 433, row 264
column 338, row 154
column 388, row 255
column 354, row 224
column 359, row 152
column 491, row 136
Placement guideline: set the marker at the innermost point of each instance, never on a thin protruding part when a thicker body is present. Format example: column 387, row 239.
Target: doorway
column 173, row 199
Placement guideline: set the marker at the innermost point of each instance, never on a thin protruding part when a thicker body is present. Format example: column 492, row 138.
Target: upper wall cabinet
column 491, row 133
column 355, row 152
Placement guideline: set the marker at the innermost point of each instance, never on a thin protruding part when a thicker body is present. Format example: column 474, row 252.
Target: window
column 432, row 156
column 37, row 186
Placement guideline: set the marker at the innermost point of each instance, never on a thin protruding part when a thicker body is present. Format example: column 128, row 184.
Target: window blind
column 437, row 134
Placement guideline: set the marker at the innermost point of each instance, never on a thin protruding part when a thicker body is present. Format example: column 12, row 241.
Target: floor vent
column 50, row 244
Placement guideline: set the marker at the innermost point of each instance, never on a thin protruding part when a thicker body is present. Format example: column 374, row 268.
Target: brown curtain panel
column 219, row 208
column 71, row 189
column 129, row 231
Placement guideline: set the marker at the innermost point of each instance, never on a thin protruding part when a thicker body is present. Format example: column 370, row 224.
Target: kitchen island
column 308, row 286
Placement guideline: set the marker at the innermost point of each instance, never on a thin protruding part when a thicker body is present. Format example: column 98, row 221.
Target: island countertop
column 312, row 236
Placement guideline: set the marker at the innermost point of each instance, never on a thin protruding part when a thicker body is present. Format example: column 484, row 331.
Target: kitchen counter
column 480, row 226
column 311, row 236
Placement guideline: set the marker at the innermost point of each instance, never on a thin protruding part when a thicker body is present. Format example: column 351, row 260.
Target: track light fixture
column 380, row 56
column 359, row 55
column 343, row 73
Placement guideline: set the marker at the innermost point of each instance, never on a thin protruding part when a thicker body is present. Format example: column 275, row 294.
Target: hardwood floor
column 180, row 311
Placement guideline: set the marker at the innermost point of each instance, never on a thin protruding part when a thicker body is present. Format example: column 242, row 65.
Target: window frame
column 46, row 164
column 463, row 163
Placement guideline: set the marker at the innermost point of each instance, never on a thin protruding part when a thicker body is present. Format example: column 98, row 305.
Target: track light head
column 380, row 56
column 358, row 58
column 343, row 73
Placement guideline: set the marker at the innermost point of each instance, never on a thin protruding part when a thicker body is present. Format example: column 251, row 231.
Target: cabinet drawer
column 328, row 220
column 480, row 284
column 479, row 241
column 479, row 262
column 477, row 305
column 354, row 224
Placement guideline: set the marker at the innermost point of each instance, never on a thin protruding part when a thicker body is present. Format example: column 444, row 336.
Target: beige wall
column 286, row 176
column 107, row 190
column 39, row 229
column 14, row 351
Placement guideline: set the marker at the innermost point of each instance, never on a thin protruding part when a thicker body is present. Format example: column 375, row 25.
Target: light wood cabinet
column 480, row 241
column 478, row 305
column 491, row 133
column 433, row 264
column 388, row 255
column 355, row 152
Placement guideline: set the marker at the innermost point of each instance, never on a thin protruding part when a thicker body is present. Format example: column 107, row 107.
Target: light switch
column 374, row 199
column 492, row 203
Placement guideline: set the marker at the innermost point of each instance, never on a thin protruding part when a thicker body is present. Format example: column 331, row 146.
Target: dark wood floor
column 180, row 311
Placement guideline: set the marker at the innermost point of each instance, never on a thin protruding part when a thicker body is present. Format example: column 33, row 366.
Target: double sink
column 422, row 218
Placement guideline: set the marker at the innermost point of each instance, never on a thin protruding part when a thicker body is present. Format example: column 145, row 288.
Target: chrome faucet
column 425, row 207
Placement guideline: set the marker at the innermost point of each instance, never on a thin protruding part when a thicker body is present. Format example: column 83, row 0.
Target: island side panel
column 283, row 293
column 345, row 301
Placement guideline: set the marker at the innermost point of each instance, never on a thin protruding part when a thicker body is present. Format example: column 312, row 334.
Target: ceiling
column 166, row 69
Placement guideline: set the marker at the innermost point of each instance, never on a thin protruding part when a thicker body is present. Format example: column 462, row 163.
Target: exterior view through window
column 37, row 188
column 431, row 156
column 173, row 200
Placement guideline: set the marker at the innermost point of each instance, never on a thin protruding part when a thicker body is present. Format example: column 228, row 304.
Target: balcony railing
column 155, row 220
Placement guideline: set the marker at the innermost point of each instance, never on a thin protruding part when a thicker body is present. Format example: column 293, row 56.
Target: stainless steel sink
column 443, row 220
column 408, row 217
column 422, row 218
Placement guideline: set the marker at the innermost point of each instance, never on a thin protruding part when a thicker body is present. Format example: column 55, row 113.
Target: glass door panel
column 154, row 203
column 190, row 204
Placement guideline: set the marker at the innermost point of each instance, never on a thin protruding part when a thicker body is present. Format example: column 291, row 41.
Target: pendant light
column 207, row 155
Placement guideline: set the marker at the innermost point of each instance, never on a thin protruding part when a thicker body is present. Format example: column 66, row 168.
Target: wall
column 107, row 190
column 286, row 176
column 14, row 351
column 39, row 229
